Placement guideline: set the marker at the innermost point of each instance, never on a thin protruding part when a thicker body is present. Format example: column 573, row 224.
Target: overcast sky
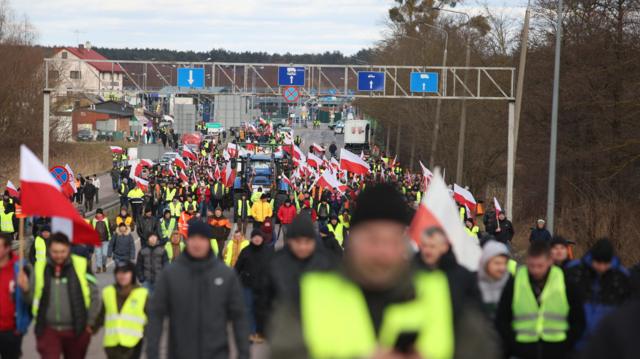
column 256, row 25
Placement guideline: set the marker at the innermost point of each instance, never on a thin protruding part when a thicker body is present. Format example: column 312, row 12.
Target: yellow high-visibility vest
column 79, row 266
column 336, row 321
column 126, row 326
column 6, row 222
column 169, row 249
column 41, row 249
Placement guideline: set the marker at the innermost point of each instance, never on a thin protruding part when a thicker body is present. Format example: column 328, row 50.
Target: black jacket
column 147, row 226
column 506, row 232
column 252, row 266
column 539, row 234
column 332, row 246
column 539, row 350
column 200, row 297
column 617, row 335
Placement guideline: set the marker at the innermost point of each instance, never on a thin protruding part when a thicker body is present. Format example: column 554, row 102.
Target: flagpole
column 21, row 242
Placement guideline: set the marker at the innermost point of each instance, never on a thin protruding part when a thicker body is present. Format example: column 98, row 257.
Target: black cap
column 559, row 240
column 256, row 232
column 381, row 202
column 301, row 226
column 99, row 211
column 126, row 266
column 199, row 228
column 602, row 251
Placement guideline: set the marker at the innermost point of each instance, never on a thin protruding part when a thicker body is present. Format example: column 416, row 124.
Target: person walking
column 14, row 312
column 260, row 210
column 175, row 246
column 540, row 314
column 286, row 214
column 220, row 227
column 147, row 225
column 100, row 223
column 493, row 275
column 199, row 296
column 122, row 246
column 242, row 212
column 150, row 261
column 252, row 269
column 96, row 184
column 65, row 301
column 124, row 313
column 233, row 248
column 560, row 251
column 168, row 225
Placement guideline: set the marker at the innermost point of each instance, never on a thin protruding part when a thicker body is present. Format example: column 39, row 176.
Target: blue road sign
column 60, row 174
column 290, row 76
column 290, row 94
column 370, row 81
column 191, row 77
column 425, row 82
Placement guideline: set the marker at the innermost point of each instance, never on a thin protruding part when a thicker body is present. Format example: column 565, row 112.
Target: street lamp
column 551, row 191
column 463, row 114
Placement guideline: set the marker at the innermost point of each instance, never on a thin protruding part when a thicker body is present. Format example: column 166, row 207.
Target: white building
column 100, row 78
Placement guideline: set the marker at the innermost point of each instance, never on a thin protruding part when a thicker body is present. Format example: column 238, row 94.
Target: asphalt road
column 322, row 136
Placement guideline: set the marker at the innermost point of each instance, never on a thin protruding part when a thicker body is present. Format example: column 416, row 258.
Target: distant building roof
column 90, row 54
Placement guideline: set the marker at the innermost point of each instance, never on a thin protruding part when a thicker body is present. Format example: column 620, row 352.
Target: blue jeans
column 251, row 313
column 101, row 254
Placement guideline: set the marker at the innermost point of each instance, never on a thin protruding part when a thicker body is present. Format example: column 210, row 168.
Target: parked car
column 85, row 135
column 338, row 127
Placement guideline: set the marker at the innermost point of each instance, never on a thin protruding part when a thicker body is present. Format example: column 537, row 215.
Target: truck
column 356, row 134
column 259, row 170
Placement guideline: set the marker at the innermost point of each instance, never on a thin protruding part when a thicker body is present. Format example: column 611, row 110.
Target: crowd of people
column 313, row 270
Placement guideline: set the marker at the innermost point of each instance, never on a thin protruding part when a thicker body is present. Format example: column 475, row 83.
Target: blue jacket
column 23, row 310
column 601, row 293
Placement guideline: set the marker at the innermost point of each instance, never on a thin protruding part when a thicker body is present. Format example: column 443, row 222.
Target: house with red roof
column 85, row 75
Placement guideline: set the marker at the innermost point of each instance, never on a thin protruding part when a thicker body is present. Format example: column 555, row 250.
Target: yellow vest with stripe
column 337, row 230
column 6, row 222
column 229, row 251
column 175, row 209
column 169, row 194
column 106, row 223
column 166, row 231
column 214, row 246
column 337, row 324
column 79, row 266
column 547, row 321
column 512, row 266
column 169, row 249
column 124, row 327
column 41, row 249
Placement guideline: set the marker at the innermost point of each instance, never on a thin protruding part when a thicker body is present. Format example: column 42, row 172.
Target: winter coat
column 541, row 349
column 539, row 234
column 220, row 227
column 286, row 214
column 267, row 232
column 252, row 266
column 147, row 226
column 150, row 262
column 491, row 289
column 332, row 246
column 506, row 233
column 617, row 335
column 601, row 294
column 199, row 297
column 122, row 246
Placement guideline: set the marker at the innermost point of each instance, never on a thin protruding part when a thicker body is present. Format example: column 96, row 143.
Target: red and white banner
column 439, row 210
column 313, row 160
column 141, row 183
column 329, row 181
column 232, row 149
column 335, row 164
column 42, row 196
column 183, row 176
column 116, row 149
column 216, row 173
column 352, row 163
column 186, row 152
column 229, row 175
column 464, row 197
column 12, row 190
column 180, row 163
column 317, row 148
column 146, row 162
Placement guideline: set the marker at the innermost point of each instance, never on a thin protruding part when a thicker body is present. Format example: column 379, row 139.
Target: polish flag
column 232, row 149
column 116, row 149
column 313, row 160
column 210, row 175
column 439, row 210
column 464, row 197
column 216, row 173
column 334, row 163
column 42, row 196
column 328, row 180
column 146, row 163
column 186, row 152
column 141, row 183
column 317, row 148
column 229, row 175
column 13, row 191
column 286, row 180
column 183, row 176
column 171, row 172
column 298, row 154
column 497, row 206
column 352, row 163
column 262, row 121
column 180, row 163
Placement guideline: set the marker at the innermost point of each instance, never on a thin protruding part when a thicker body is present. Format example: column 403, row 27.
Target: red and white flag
column 437, row 209
column 141, row 183
column 12, row 190
column 171, row 172
column 313, row 160
column 229, row 175
column 183, row 176
column 116, row 149
column 180, row 163
column 186, row 152
column 286, row 180
column 70, row 187
column 335, row 164
column 210, row 175
column 232, row 149
column 317, row 148
column 262, row 121
column 217, row 174
column 146, row 163
column 329, row 181
column 352, row 163
column 464, row 197
column 42, row 196
column 497, row 206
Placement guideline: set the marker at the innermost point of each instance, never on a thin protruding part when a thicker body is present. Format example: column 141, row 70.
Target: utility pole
column 436, row 125
column 45, row 127
column 551, row 192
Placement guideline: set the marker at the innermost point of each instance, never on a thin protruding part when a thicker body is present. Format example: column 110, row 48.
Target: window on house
column 74, row 75
column 64, row 54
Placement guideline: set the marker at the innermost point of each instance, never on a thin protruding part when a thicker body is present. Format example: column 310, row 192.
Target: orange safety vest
column 19, row 213
column 183, row 224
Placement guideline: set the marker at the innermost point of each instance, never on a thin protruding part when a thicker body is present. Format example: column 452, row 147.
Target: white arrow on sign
column 291, row 80
column 371, row 84
column 424, row 86
column 190, row 81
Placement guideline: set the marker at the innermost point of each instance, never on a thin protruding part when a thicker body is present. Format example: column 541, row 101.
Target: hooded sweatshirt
column 490, row 288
